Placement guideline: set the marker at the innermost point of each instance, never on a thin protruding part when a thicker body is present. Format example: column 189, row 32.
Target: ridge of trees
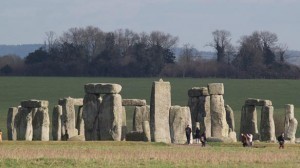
column 123, row 53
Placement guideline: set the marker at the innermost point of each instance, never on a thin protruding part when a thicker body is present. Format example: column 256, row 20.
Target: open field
column 142, row 154
column 15, row 89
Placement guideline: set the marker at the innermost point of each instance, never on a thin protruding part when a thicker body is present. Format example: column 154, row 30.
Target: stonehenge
column 30, row 121
column 101, row 115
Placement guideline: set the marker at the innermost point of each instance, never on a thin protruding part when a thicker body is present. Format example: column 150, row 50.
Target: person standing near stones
column 250, row 139
column 203, row 139
column 197, row 135
column 281, row 141
column 188, row 132
column 244, row 140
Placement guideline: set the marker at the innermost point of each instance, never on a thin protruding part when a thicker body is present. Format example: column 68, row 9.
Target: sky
column 192, row 21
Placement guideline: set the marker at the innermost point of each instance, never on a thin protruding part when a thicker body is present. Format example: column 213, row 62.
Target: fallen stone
column 134, row 102
column 216, row 88
column 77, row 138
column 102, row 88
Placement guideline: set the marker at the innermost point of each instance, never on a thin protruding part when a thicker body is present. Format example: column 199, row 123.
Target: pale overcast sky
column 26, row 21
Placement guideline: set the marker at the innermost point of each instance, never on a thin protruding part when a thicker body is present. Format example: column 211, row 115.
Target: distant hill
column 19, row 50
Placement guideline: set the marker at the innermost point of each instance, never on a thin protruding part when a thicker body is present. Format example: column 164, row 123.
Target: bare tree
column 187, row 57
column 221, row 43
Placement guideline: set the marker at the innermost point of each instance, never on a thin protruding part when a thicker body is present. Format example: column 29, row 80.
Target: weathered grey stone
column 40, row 124
column 159, row 111
column 23, row 123
column 135, row 136
column 124, row 124
column 80, row 122
column 248, row 123
column 232, row 136
column 205, row 116
column 77, row 138
column 264, row 103
column 11, row 130
column 141, row 113
column 219, row 126
column 251, row 102
column 134, row 102
column 292, row 129
column 56, row 123
column 34, row 103
column 216, row 88
column 110, row 117
column 267, row 126
column 68, row 116
column 78, row 101
column 180, row 117
column 198, row 91
column 102, row 88
column 195, row 105
column 91, row 109
column 230, row 117
column 146, row 130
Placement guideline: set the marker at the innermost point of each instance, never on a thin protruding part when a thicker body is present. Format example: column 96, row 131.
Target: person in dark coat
column 244, row 140
column 203, row 139
column 188, row 132
column 197, row 135
column 281, row 141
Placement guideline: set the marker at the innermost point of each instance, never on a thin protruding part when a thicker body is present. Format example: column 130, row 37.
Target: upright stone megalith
column 41, row 124
column 90, row 115
column 290, row 123
column 230, row 117
column 141, row 114
column 11, row 128
column 248, row 123
column 56, row 123
column 180, row 117
column 159, row 111
column 219, row 126
column 267, row 126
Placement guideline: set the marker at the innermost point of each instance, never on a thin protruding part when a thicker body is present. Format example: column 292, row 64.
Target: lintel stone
column 32, row 103
column 216, row 88
column 102, row 88
column 198, row 91
column 133, row 102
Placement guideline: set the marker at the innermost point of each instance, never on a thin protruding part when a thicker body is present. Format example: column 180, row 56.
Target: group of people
column 198, row 136
column 247, row 140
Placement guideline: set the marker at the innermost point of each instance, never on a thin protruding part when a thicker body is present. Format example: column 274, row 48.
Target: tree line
column 90, row 51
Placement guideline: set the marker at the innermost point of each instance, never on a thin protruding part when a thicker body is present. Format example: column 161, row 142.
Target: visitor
column 197, row 135
column 250, row 140
column 203, row 139
column 281, row 141
column 188, row 132
column 244, row 140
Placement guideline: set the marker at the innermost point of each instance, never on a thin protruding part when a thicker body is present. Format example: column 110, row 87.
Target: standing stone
column 205, row 115
column 141, row 113
column 24, row 124
column 91, row 109
column 179, row 118
column 11, row 129
column 267, row 126
column 194, row 104
column 146, row 130
column 291, row 132
column 219, row 126
column 289, row 114
column 159, row 111
column 230, row 117
column 80, row 121
column 249, row 121
column 40, row 124
column 68, row 117
column 110, row 117
column 56, row 123
column 124, row 124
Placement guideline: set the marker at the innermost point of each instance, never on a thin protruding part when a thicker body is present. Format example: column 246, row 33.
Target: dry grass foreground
column 140, row 154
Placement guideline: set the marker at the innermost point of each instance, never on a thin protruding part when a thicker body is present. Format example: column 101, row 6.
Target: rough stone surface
column 56, row 123
column 249, row 121
column 11, row 130
column 205, row 115
column 289, row 114
column 34, row 103
column 102, row 88
column 91, row 108
column 267, row 126
column 198, row 91
column 264, row 103
column 219, row 126
column 78, row 101
column 146, row 130
column 23, row 123
column 141, row 113
column 180, row 117
column 252, row 101
column 292, row 129
column 134, row 102
column 110, row 117
column 232, row 135
column 40, row 124
column 230, row 117
column 216, row 88
column 79, row 121
column 68, row 116
column 159, row 111
column 124, row 125
column 195, row 105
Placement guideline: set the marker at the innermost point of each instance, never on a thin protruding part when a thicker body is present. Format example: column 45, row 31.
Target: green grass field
column 15, row 89
column 142, row 154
